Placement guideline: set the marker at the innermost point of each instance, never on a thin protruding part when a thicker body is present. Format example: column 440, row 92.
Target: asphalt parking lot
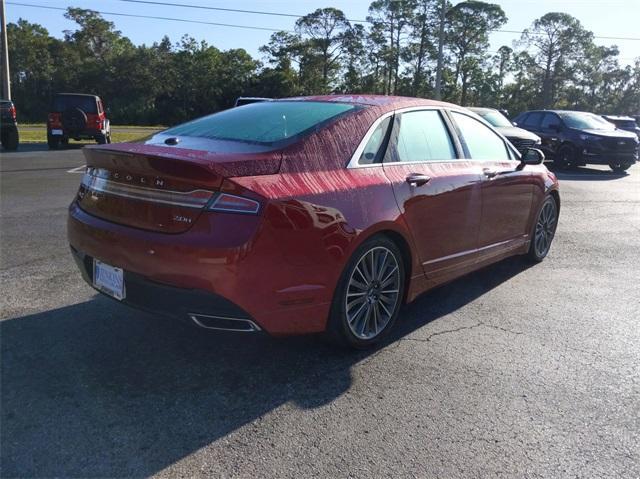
column 514, row 371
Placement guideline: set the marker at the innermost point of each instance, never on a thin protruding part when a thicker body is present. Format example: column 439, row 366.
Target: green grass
column 136, row 127
column 40, row 135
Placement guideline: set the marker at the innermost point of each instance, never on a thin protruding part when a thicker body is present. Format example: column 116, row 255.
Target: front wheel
column 564, row 157
column 544, row 230
column 618, row 167
column 369, row 294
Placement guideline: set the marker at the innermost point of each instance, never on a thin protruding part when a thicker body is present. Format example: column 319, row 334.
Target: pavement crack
column 463, row 328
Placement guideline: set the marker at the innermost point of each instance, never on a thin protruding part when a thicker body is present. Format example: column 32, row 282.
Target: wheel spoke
column 355, row 316
column 383, row 266
column 386, row 310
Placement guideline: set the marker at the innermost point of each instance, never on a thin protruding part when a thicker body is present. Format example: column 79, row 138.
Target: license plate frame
column 109, row 279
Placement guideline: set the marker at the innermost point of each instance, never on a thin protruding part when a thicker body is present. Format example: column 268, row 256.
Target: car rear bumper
column 219, row 268
column 203, row 308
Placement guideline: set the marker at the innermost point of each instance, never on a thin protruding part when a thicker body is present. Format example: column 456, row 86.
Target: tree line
column 554, row 64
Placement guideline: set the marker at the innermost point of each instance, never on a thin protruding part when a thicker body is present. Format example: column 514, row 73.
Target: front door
column 507, row 190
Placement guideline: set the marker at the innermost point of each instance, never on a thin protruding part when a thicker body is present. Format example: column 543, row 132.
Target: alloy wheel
column 545, row 228
column 373, row 292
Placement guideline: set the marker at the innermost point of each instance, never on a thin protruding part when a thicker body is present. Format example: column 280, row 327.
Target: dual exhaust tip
column 222, row 323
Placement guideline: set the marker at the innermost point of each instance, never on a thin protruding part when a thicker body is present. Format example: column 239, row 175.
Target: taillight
column 12, row 111
column 54, row 119
column 227, row 203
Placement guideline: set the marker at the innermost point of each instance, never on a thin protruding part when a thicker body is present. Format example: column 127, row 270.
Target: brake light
column 54, row 120
column 227, row 203
column 12, row 111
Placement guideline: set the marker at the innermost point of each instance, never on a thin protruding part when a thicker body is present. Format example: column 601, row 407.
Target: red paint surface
column 282, row 265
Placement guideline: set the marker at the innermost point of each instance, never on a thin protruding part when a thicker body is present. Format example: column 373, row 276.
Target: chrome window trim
column 184, row 199
column 354, row 161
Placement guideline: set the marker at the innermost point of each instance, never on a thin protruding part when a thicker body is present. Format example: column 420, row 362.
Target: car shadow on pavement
column 97, row 389
column 584, row 173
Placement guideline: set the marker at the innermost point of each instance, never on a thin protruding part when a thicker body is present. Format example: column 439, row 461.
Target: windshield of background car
column 496, row 118
column 66, row 102
column 625, row 124
column 585, row 121
column 265, row 122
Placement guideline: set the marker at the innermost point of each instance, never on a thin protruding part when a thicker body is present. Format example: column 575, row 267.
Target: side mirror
column 532, row 156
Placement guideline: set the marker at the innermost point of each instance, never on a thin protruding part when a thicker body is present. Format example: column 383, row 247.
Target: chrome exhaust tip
column 223, row 323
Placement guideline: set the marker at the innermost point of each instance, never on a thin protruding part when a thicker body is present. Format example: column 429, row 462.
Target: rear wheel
column 10, row 139
column 619, row 167
column 53, row 142
column 544, row 230
column 369, row 295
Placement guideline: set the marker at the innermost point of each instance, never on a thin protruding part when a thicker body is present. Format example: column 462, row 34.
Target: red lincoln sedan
column 307, row 214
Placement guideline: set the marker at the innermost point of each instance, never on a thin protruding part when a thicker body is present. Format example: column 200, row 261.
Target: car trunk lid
column 160, row 188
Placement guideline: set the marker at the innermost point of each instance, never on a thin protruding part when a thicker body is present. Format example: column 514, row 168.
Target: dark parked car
column 624, row 123
column 77, row 116
column 307, row 215
column 9, row 136
column 576, row 138
column 521, row 139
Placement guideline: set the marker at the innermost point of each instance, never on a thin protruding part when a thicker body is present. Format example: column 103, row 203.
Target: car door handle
column 416, row 179
column 489, row 173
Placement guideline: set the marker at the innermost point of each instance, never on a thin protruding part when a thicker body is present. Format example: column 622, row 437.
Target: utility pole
column 443, row 13
column 6, row 86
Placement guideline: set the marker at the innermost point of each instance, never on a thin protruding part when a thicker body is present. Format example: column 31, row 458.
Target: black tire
column 544, row 230
column 10, row 139
column 564, row 157
column 618, row 167
column 377, row 311
column 101, row 139
column 53, row 142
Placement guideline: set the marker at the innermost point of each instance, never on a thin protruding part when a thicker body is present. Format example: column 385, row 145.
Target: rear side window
column 533, row 120
column 549, row 119
column 372, row 152
column 421, row 136
column 62, row 103
column 264, row 122
column 481, row 142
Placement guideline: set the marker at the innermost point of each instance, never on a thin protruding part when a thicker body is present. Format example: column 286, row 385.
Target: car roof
column 385, row 102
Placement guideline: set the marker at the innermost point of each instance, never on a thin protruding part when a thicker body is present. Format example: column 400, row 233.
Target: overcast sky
column 613, row 18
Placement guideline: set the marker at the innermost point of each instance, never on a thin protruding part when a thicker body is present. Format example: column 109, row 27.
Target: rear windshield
column 495, row 118
column 265, row 122
column 66, row 102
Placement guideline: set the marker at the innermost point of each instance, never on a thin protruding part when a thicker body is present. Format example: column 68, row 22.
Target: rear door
column 437, row 193
column 507, row 191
